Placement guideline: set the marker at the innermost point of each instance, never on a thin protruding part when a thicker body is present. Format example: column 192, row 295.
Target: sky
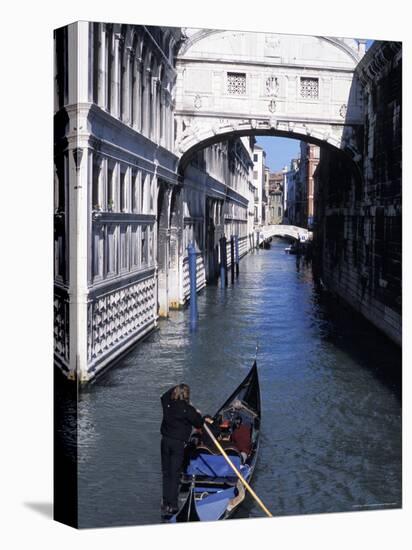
column 280, row 151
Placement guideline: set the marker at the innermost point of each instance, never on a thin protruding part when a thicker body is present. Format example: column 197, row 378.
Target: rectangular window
column 110, row 188
column 236, row 83
column 134, row 246
column 255, row 175
column 98, row 252
column 149, row 245
column 255, row 157
column 143, row 258
column 112, row 250
column 95, row 263
column 123, row 192
column 135, row 197
column 309, row 88
column 95, row 184
column 124, row 256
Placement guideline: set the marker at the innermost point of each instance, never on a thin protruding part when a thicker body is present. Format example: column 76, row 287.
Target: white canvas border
column 26, row 223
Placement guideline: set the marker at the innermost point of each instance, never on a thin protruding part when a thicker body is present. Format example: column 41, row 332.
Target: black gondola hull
column 245, row 402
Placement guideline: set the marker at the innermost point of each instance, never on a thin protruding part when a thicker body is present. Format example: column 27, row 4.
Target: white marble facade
column 243, row 82
column 114, row 153
column 154, row 144
column 124, row 211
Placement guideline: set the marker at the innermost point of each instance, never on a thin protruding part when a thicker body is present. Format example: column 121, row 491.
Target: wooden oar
column 239, row 475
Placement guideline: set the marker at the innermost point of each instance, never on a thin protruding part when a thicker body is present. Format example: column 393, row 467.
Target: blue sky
column 280, row 151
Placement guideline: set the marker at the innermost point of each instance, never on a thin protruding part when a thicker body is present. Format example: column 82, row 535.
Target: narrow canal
column 331, row 400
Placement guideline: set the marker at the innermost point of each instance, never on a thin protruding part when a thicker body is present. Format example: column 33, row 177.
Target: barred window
column 309, row 88
column 236, row 83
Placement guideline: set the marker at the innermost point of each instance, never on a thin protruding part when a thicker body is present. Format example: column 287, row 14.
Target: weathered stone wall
column 358, row 208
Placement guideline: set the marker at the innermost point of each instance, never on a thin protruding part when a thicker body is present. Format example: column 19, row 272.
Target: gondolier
column 216, row 476
column 179, row 417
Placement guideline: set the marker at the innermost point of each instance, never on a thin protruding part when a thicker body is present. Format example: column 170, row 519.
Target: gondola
column 209, row 489
column 265, row 244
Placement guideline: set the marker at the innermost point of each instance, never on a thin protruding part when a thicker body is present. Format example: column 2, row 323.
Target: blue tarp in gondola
column 213, row 507
column 213, row 466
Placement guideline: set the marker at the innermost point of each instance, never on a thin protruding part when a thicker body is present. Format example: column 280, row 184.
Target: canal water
column 331, row 400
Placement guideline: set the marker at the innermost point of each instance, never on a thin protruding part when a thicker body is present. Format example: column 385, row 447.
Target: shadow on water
column 365, row 344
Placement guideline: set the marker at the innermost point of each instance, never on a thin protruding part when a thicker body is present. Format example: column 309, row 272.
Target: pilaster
column 78, row 52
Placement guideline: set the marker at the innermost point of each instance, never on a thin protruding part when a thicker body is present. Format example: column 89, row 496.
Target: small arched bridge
column 290, row 231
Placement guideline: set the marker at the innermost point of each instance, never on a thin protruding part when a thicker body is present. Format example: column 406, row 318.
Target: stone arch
column 349, row 160
column 348, row 46
column 201, row 140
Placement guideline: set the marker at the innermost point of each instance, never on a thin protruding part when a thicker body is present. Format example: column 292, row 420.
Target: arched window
column 120, row 69
column 61, row 70
column 152, row 100
column 109, row 65
column 97, row 51
column 96, row 193
column 146, row 193
column 111, row 187
column 146, row 96
column 161, row 107
column 123, row 191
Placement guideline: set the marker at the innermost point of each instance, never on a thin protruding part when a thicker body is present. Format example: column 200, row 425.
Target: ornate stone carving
column 272, row 46
column 118, row 315
column 77, row 157
column 272, row 86
column 61, row 327
column 272, row 106
column 343, row 110
column 198, row 102
column 273, row 122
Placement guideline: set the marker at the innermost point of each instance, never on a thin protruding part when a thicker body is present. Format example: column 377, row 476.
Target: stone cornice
column 204, row 33
column 378, row 60
column 266, row 64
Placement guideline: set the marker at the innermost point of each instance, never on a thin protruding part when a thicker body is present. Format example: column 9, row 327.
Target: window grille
column 309, row 88
column 236, row 83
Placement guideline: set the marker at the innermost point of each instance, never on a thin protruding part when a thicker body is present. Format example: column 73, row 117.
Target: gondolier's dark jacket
column 178, row 418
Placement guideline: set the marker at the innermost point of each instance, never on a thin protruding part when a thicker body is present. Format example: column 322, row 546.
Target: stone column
column 102, row 75
column 136, row 96
column 163, row 248
column 175, row 287
column 126, row 87
column 146, row 102
column 162, row 121
column 78, row 52
column 153, row 107
column 115, row 84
